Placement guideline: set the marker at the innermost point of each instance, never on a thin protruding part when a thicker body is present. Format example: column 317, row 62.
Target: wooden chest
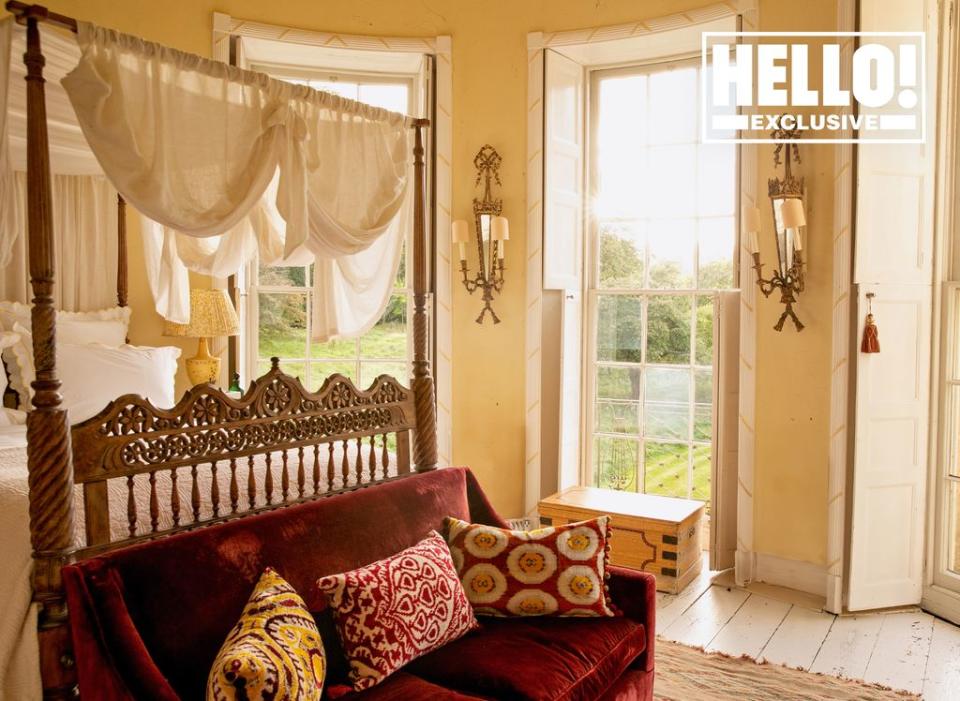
column 660, row 535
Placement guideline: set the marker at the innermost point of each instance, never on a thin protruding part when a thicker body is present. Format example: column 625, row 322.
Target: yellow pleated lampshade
column 211, row 314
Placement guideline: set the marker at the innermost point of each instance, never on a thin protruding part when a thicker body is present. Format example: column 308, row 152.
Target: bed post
column 48, row 433
column 121, row 251
column 425, row 438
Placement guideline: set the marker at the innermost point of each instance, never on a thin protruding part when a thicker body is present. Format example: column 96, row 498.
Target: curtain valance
column 223, row 163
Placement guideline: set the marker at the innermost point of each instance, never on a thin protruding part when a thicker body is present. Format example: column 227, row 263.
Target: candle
column 752, row 242
column 463, row 250
column 797, row 242
column 501, row 248
column 461, row 234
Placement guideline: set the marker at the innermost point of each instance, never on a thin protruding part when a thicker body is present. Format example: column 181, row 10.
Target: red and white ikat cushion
column 557, row 571
column 397, row 609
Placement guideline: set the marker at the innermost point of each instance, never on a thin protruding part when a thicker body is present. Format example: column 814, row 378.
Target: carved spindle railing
column 132, row 440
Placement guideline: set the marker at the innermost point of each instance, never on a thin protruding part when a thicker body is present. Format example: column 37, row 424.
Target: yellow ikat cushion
column 274, row 652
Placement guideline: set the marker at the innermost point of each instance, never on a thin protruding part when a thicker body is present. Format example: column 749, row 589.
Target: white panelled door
column 564, row 81
column 892, row 260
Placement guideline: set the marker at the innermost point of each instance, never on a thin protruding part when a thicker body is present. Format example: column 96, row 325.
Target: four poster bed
column 151, row 521
column 210, row 458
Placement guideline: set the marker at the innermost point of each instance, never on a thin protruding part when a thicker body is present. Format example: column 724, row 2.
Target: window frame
column 593, row 291
column 248, row 283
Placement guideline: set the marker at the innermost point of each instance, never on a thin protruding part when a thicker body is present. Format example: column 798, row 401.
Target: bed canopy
column 221, row 163
column 209, row 153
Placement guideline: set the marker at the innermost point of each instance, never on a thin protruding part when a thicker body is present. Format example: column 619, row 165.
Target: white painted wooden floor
column 903, row 650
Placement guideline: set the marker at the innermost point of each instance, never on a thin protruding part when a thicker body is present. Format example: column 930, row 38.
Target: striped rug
column 687, row 674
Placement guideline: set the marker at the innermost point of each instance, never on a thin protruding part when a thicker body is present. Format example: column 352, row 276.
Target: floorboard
column 900, row 656
column 798, row 639
column 942, row 676
column 848, row 646
column 909, row 650
column 698, row 625
column 750, row 628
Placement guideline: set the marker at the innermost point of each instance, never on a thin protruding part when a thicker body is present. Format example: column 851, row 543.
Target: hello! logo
column 823, row 87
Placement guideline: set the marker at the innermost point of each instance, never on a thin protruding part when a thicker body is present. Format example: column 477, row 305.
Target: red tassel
column 871, row 338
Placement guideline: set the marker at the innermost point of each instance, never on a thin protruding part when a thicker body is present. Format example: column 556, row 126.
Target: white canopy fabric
column 222, row 163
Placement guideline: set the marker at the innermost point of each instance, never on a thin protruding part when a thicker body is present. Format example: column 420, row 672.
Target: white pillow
column 93, row 375
column 7, row 339
column 107, row 326
column 12, row 417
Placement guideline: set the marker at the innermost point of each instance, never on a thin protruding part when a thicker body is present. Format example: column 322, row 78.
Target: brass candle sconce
column 786, row 198
column 493, row 231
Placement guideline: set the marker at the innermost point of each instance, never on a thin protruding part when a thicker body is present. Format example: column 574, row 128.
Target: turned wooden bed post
column 121, row 251
column 425, row 438
column 48, row 432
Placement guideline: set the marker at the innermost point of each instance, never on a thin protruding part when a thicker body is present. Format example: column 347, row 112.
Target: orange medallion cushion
column 557, row 571
column 396, row 609
column 274, row 652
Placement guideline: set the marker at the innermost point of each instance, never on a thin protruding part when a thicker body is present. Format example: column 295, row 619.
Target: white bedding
column 19, row 662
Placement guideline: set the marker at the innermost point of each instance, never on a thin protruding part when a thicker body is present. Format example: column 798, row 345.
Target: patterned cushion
column 559, row 571
column 274, row 651
column 397, row 609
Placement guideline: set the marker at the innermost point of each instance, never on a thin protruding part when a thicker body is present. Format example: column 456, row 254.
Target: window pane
column 703, row 422
column 668, row 329
column 717, row 241
column 369, row 371
column 700, row 489
column 283, row 325
column 618, row 383
column 704, row 350
column 666, row 406
column 671, row 254
column 673, row 106
column 621, row 154
column 340, row 348
column 716, row 179
column 703, row 386
column 618, row 417
column 669, row 170
column 292, row 368
column 389, row 96
column 282, row 277
column 665, row 469
column 337, row 87
column 619, row 332
column 388, row 338
column 616, row 463
column 401, row 280
column 622, row 254
column 321, row 371
column 953, row 421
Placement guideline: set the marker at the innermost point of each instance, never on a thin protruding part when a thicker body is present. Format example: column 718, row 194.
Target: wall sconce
column 786, row 198
column 493, row 232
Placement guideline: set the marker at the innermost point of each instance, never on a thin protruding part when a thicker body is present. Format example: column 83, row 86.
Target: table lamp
column 211, row 314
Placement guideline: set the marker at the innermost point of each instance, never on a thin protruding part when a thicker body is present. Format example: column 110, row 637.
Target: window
column 279, row 308
column 662, row 233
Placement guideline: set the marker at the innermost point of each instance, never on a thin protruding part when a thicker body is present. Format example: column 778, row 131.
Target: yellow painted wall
column 489, row 98
column 793, row 370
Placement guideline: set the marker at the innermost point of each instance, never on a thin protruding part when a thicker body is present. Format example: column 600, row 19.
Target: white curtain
column 85, row 243
column 208, row 150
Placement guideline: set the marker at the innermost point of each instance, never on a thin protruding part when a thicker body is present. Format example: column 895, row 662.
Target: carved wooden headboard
column 213, row 458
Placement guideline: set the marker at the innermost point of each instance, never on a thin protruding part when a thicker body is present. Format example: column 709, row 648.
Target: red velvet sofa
column 148, row 620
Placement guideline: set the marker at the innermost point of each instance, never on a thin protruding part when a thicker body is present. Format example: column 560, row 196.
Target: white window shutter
column 894, row 234
column 564, row 135
column 726, row 412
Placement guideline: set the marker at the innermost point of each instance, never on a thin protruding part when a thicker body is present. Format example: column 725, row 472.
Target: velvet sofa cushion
column 274, row 651
column 542, row 659
column 552, row 571
column 403, row 686
column 396, row 609
column 179, row 622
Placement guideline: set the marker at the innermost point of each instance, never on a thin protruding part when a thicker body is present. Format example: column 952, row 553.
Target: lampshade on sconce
column 750, row 219
column 211, row 315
